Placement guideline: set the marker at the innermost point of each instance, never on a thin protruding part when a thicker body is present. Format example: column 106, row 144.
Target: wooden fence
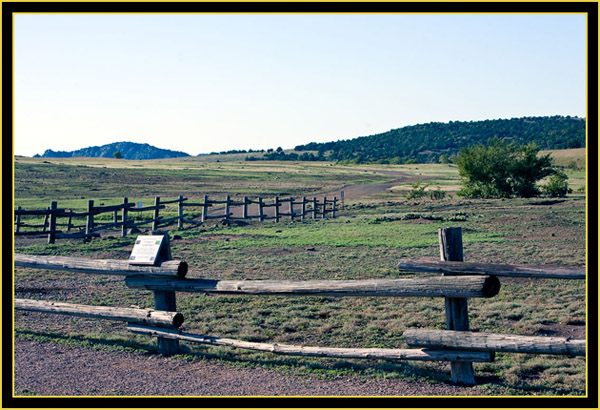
column 458, row 282
column 123, row 215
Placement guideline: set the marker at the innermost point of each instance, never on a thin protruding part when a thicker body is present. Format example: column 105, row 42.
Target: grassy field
column 366, row 241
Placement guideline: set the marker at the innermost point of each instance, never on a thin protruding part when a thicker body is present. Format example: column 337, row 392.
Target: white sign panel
column 146, row 249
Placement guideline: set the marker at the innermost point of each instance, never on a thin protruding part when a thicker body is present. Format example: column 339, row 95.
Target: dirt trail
column 46, row 368
column 350, row 192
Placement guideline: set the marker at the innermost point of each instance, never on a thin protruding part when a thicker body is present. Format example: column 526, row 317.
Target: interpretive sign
column 146, row 249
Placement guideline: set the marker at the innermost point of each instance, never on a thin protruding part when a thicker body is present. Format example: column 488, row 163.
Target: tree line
column 437, row 142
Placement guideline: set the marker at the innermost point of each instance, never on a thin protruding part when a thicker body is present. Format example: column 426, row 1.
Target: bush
column 417, row 191
column 502, row 170
column 557, row 185
column 437, row 194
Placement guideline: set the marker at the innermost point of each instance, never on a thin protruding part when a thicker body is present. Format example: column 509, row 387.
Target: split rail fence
column 59, row 222
column 459, row 282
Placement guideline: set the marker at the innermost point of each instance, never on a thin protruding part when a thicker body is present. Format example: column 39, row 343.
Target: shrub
column 502, row 170
column 557, row 185
column 417, row 191
column 437, row 194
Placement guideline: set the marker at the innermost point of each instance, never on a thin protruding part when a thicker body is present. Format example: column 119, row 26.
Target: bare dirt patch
column 137, row 374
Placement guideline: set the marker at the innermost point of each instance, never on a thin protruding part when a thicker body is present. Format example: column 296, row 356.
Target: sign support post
column 152, row 250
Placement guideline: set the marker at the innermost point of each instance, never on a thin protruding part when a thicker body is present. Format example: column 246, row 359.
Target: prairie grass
column 365, row 241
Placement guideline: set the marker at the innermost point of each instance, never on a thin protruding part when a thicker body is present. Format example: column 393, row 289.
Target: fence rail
column 89, row 228
column 438, row 339
column 474, row 268
column 131, row 315
column 165, row 268
column 457, row 345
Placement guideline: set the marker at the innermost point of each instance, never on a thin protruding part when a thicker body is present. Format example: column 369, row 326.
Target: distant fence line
column 301, row 209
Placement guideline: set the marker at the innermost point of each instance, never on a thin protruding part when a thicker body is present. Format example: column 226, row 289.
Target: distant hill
column 129, row 150
column 434, row 141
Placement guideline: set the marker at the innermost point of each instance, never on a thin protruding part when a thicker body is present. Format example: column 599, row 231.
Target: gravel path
column 50, row 369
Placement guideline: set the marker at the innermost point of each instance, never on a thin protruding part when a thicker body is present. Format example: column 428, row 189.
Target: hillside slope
column 129, row 150
column 428, row 142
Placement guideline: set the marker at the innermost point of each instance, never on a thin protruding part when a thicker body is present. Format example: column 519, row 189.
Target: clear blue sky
column 212, row 82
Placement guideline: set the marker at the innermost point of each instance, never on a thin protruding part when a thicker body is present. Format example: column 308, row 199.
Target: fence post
column 334, row 206
column 180, row 212
column 303, row 207
column 155, row 222
column 18, row 221
column 45, row 220
column 205, row 209
column 89, row 224
column 227, row 206
column 314, row 207
column 245, row 209
column 291, row 208
column 165, row 300
column 457, row 314
column 261, row 215
column 276, row 209
column 124, row 219
column 52, row 226
column 324, row 215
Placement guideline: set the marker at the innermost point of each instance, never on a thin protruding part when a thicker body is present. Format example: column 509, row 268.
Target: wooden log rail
column 140, row 316
column 112, row 208
column 346, row 353
column 458, row 287
column 474, row 268
column 486, row 342
column 169, row 268
column 460, row 281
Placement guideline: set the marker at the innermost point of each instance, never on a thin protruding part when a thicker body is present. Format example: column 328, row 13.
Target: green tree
column 117, row 155
column 502, row 170
column 528, row 168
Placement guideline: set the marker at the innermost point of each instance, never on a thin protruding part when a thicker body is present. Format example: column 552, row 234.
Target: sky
column 202, row 83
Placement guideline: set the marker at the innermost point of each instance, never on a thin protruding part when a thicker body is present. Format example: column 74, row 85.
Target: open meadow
column 373, row 229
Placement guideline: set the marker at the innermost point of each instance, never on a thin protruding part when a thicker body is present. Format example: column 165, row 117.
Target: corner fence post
column 457, row 314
